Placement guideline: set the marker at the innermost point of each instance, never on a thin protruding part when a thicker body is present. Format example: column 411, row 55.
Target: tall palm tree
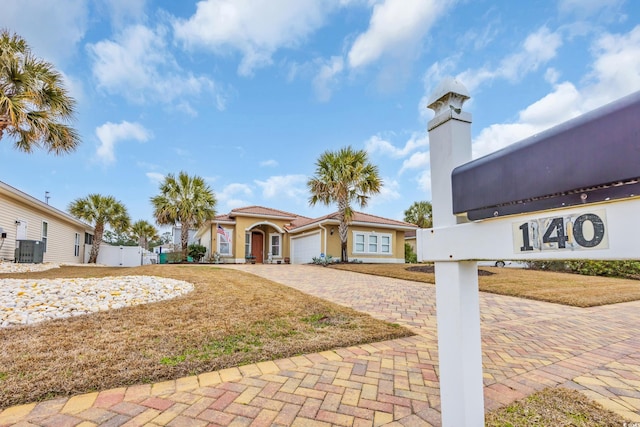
column 99, row 211
column 184, row 200
column 34, row 105
column 143, row 232
column 420, row 214
column 343, row 177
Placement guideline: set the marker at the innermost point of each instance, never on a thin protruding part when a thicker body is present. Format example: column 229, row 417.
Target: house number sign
column 560, row 233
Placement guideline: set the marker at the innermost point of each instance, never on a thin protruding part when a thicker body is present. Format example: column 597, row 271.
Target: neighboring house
column 269, row 235
column 410, row 238
column 23, row 217
column 177, row 238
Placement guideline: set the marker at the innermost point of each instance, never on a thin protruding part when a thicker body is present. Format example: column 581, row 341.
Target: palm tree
column 420, row 214
column 100, row 210
column 143, row 232
column 343, row 177
column 34, row 105
column 184, row 200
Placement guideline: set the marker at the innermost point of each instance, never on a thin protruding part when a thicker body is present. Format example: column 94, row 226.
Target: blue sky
column 249, row 93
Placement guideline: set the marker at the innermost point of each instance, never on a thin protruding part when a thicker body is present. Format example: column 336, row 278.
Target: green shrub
column 410, row 256
column 196, row 251
column 174, row 257
column 626, row 269
column 323, row 261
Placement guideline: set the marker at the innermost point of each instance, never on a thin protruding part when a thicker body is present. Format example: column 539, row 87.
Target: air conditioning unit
column 29, row 251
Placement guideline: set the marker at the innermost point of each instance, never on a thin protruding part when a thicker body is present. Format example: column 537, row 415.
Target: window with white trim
column 224, row 242
column 247, row 244
column 275, row 242
column 76, row 245
column 371, row 243
column 45, row 232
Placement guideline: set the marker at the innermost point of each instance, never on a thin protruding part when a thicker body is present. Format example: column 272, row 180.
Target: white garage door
column 303, row 249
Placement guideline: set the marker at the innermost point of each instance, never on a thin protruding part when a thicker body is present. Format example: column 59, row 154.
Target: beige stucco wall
column 333, row 245
column 264, row 225
column 61, row 233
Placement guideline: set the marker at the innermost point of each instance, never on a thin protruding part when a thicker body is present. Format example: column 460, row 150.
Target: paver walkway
column 527, row 346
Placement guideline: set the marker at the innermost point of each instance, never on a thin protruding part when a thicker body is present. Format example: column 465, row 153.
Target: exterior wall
column 205, row 240
column 397, row 244
column 61, row 233
column 412, row 242
column 238, row 230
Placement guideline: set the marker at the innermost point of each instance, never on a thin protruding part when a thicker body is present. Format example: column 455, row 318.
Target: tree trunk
column 343, row 231
column 95, row 246
column 184, row 239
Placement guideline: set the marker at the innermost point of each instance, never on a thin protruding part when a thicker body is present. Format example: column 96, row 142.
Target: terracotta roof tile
column 261, row 210
column 298, row 221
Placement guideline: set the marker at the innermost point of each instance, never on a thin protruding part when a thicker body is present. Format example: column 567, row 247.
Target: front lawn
column 230, row 319
column 562, row 288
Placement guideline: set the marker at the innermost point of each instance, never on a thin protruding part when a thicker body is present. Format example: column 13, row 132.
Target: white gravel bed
column 24, row 302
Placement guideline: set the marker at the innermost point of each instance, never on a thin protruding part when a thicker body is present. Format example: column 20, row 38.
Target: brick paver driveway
column 527, row 346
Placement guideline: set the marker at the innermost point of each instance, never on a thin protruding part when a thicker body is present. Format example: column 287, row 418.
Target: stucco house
column 23, row 217
column 266, row 235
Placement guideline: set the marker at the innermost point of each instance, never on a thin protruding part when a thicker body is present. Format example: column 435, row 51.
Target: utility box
column 29, row 251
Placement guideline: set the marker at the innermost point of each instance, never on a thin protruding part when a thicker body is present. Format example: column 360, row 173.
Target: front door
column 257, row 247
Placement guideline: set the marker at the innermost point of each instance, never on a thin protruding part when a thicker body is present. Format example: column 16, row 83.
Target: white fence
column 122, row 256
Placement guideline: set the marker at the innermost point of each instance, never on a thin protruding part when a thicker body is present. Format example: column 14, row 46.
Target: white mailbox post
column 572, row 192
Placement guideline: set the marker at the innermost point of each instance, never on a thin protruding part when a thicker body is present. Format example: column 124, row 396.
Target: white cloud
column 537, row 49
column 587, row 8
column 616, row 70
column 255, row 28
column 111, row 133
column 139, row 66
column 284, row 186
column 389, row 191
column 125, row 11
column 234, row 195
column 376, row 144
column 269, row 163
column 52, row 30
column 396, row 27
column 424, row 182
column 416, row 161
column 615, row 73
column 327, row 78
column 155, row 177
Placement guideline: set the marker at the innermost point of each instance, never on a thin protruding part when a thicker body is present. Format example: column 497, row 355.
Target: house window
column 224, row 242
column 385, row 246
column 371, row 243
column 45, row 231
column 76, row 245
column 247, row 244
column 88, row 238
column 275, row 240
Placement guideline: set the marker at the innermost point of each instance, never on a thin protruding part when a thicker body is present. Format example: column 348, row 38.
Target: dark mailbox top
column 591, row 158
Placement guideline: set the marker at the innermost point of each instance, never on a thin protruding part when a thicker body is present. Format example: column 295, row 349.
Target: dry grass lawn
column 554, row 407
column 562, row 288
column 230, row 319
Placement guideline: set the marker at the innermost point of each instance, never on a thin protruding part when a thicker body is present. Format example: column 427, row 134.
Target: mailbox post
column 572, row 192
column 457, row 303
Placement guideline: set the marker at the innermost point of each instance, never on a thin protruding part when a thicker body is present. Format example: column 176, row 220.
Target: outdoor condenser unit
column 29, row 251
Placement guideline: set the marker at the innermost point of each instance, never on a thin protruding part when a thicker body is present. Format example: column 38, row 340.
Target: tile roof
column 262, row 211
column 358, row 217
column 298, row 221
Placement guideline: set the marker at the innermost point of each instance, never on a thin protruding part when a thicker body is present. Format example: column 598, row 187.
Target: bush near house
column 196, row 251
column 625, row 269
column 410, row 257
